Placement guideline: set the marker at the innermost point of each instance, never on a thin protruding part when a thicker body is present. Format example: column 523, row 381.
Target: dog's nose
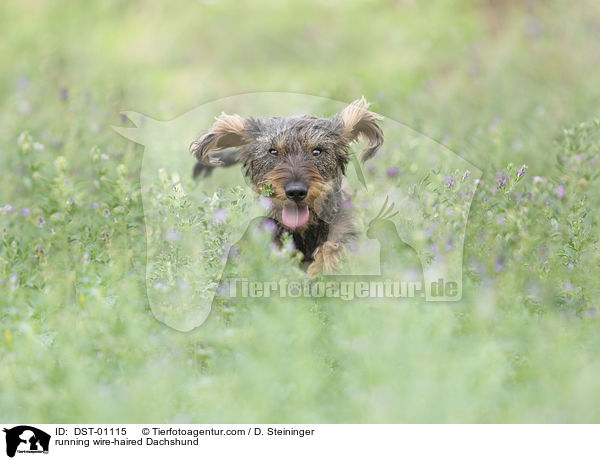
column 296, row 191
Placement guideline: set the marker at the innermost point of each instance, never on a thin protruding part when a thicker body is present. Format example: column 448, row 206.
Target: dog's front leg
column 326, row 259
column 328, row 255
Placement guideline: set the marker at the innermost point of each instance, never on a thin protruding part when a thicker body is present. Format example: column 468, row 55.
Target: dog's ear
column 358, row 122
column 226, row 132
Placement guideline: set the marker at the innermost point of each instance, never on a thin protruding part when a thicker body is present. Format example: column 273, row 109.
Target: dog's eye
column 316, row 152
column 274, row 152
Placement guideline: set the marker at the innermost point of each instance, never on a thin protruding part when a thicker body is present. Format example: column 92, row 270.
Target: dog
column 299, row 162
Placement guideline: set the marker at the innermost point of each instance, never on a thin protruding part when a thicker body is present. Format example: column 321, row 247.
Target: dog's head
column 297, row 161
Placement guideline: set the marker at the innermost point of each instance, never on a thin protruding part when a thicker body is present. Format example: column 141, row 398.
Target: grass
column 502, row 86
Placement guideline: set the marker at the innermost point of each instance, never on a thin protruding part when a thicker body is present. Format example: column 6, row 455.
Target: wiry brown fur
column 329, row 227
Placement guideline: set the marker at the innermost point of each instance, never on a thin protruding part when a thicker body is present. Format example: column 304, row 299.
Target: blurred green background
column 503, row 83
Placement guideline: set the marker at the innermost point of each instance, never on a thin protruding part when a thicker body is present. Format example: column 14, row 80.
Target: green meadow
column 511, row 87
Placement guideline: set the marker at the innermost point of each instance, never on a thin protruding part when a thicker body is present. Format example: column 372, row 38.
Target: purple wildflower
column 521, row 172
column 465, row 175
column 570, row 266
column 560, row 191
column 25, row 212
column 393, row 171
column 537, row 179
column 106, row 213
column 38, row 253
column 8, row 208
column 569, row 286
column 220, row 216
column 104, row 236
column 72, row 200
column 123, row 118
column 499, row 265
column 266, row 203
column 95, row 205
column 449, row 182
column 501, row 183
column 590, row 313
column 41, row 222
column 63, row 94
column 13, row 282
column 270, row 226
column 548, row 202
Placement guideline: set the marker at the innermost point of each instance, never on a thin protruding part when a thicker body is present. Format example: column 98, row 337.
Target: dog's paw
column 327, row 258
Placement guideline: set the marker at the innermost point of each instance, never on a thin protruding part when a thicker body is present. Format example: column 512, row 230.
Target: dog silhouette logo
column 410, row 206
column 26, row 439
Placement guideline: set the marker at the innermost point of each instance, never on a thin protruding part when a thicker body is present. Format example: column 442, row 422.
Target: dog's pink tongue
column 294, row 216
